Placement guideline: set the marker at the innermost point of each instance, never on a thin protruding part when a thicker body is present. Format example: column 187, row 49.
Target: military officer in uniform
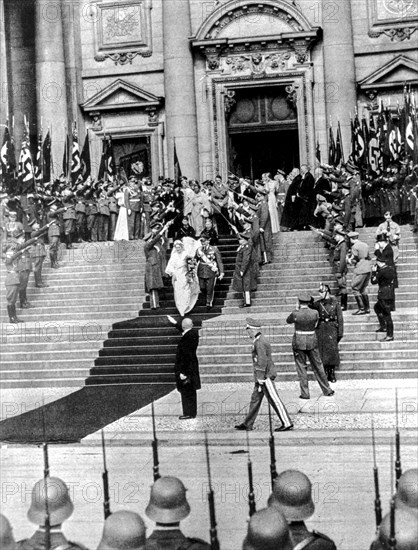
column 23, row 268
column 305, row 346
column 384, row 276
column 167, row 507
column 81, row 219
column 7, row 541
column 264, row 374
column 266, row 235
column 329, row 331
column 267, row 530
column 349, row 206
column 103, row 216
column 134, row 210
column 292, row 495
column 153, row 269
column 12, row 281
column 51, row 494
column 54, row 239
column 340, row 265
column 69, row 217
column 113, row 215
column 210, row 267
column 38, row 254
column 244, row 280
column 359, row 257
column 392, row 232
column 123, row 530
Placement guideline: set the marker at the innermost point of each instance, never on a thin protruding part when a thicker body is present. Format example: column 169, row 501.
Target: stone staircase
column 300, row 263
column 143, row 350
column 98, row 284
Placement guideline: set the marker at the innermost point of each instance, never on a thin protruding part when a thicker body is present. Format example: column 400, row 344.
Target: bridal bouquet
column 191, row 269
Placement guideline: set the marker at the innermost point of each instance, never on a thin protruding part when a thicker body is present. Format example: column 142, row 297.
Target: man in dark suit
column 264, row 374
column 187, row 367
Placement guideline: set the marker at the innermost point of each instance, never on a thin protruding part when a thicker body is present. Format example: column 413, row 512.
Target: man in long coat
column 329, row 331
column 266, row 234
column 244, row 280
column 186, row 368
column 153, row 249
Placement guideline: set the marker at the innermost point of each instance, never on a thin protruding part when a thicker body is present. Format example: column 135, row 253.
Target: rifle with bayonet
column 273, row 471
column 47, row 525
column 377, row 501
column 156, row 466
column 105, row 478
column 398, row 467
column 214, row 542
column 251, row 497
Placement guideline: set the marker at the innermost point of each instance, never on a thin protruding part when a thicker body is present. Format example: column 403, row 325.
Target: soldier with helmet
column 52, row 495
column 123, row 530
column 7, row 541
column 167, row 507
column 406, row 532
column 292, row 496
column 407, row 492
column 267, row 530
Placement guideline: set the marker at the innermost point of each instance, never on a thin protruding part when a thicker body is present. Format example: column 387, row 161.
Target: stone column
column 340, row 74
column 4, row 96
column 19, row 45
column 51, row 96
column 180, row 99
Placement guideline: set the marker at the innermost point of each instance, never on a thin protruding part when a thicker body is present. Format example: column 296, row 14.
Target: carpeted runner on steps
column 79, row 414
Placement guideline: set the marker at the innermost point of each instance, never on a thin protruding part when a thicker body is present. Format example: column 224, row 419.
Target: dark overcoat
column 330, row 330
column 186, row 360
column 244, row 265
column 153, row 275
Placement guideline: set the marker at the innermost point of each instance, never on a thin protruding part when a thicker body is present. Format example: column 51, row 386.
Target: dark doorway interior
column 254, row 153
column 133, row 155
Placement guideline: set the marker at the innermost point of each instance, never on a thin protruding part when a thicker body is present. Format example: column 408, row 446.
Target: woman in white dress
column 122, row 231
column 198, row 202
column 271, row 187
column 182, row 269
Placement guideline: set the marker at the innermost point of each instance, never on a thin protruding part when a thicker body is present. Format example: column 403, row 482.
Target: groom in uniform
column 207, row 272
column 187, row 367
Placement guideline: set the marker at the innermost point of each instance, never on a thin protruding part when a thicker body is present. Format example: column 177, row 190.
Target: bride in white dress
column 181, row 268
column 122, row 231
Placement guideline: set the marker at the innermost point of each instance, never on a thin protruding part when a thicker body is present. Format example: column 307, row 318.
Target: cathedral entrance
column 133, row 155
column 263, row 131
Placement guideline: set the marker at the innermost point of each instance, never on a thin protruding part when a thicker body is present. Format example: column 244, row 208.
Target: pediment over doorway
column 399, row 71
column 121, row 95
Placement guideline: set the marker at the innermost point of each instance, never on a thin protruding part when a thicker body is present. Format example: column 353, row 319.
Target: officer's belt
column 304, row 332
column 134, row 200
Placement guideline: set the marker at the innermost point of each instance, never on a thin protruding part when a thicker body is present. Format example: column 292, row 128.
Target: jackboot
column 344, row 300
column 68, row 241
column 11, row 310
column 331, row 377
column 327, row 372
column 360, row 305
column 38, row 280
column 24, row 304
column 366, row 303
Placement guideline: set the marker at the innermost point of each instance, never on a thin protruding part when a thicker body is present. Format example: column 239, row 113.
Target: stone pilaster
column 180, row 99
column 340, row 75
column 51, row 93
column 4, row 96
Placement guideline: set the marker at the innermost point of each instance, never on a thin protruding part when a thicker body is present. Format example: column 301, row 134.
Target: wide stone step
column 35, row 373
column 53, row 355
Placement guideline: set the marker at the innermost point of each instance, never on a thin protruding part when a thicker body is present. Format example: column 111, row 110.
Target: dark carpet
column 81, row 413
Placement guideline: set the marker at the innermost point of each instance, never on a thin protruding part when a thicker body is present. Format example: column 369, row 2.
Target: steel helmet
column 168, row 502
column 267, row 530
column 7, row 541
column 54, row 492
column 406, row 530
column 123, row 530
column 407, row 492
column 292, row 495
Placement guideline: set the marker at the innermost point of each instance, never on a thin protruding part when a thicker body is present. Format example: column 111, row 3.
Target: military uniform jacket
column 135, row 197
column 173, row 539
column 305, row 321
column 113, row 205
column 37, row 250
column 91, row 207
column 263, row 364
column 303, row 539
column 153, row 268
column 361, row 258
column 385, row 278
column 58, row 542
column 243, row 265
column 103, row 207
column 204, row 270
column 392, row 230
column 24, row 262
column 80, row 206
column 340, row 257
column 69, row 214
column 54, row 229
column 219, row 197
column 12, row 276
